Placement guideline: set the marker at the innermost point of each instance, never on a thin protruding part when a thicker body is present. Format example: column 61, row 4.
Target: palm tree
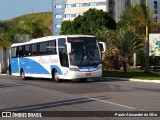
column 127, row 42
column 140, row 17
column 6, row 39
column 37, row 29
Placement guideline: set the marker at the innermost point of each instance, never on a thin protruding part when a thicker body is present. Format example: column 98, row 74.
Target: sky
column 14, row 8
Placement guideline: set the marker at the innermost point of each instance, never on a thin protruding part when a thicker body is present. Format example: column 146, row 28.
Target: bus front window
column 84, row 51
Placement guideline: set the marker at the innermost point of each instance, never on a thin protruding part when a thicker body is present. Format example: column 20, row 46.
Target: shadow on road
column 49, row 105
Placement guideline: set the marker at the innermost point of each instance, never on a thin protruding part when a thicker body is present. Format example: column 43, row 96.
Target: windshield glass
column 84, row 51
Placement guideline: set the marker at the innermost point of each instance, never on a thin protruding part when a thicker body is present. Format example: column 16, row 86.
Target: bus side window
column 19, row 51
column 43, row 48
column 13, row 51
column 26, row 50
column 34, row 49
column 51, row 47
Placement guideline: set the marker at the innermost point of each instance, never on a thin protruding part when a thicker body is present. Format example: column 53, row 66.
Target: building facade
column 69, row 9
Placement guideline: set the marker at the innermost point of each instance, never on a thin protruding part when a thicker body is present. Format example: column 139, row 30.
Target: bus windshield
column 84, row 51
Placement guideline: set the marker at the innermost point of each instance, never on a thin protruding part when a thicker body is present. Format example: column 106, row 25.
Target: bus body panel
column 36, row 65
column 15, row 64
column 77, row 74
column 41, row 66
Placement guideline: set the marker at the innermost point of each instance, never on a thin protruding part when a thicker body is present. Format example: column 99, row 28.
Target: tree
column 140, row 17
column 35, row 29
column 111, row 60
column 125, row 43
column 67, row 28
column 88, row 23
column 6, row 39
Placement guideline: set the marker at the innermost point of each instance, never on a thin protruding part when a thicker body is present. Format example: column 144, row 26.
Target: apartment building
column 69, row 9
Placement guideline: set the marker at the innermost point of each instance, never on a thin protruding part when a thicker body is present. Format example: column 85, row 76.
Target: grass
column 46, row 17
column 136, row 74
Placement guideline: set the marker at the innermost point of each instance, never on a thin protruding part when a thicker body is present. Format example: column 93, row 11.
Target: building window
column 68, row 16
column 85, row 4
column 58, row 26
column 79, row 5
column 93, row 4
column 102, row 3
column 58, row 16
column 58, row 6
column 68, row 5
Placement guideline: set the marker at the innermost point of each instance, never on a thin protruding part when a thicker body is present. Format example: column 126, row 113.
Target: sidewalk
column 131, row 79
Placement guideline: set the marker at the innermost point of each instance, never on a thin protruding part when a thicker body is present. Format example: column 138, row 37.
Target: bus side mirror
column 68, row 47
column 102, row 46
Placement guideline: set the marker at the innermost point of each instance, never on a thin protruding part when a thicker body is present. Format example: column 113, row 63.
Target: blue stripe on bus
column 14, row 65
column 87, row 67
column 31, row 67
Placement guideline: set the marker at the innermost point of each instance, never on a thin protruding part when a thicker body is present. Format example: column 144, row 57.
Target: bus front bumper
column 79, row 74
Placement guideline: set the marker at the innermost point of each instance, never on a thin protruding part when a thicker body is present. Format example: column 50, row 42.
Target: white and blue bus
column 58, row 57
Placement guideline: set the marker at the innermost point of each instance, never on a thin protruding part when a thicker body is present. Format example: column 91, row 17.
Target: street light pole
column 134, row 54
column 52, row 16
column 146, row 69
column 135, row 3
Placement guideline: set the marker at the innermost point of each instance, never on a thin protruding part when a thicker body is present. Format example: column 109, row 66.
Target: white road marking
column 112, row 103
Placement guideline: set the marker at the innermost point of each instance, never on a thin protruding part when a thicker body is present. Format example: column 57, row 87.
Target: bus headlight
column 73, row 69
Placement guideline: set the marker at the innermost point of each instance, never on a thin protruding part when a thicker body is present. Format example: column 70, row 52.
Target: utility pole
column 52, row 17
column 135, row 54
column 147, row 69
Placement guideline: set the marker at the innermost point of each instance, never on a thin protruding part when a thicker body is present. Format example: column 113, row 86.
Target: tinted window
column 34, row 49
column 52, row 47
column 20, row 51
column 63, row 52
column 43, row 48
column 26, row 50
column 13, row 53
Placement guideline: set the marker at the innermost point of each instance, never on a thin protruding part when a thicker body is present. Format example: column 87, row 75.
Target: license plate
column 88, row 74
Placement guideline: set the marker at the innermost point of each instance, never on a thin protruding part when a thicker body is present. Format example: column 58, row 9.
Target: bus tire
column 22, row 75
column 55, row 76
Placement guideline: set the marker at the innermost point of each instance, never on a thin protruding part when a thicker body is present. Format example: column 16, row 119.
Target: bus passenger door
column 63, row 56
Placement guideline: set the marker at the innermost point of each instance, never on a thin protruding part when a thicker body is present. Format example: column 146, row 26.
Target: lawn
column 136, row 74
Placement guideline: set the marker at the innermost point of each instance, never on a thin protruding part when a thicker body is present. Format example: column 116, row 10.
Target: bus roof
column 42, row 39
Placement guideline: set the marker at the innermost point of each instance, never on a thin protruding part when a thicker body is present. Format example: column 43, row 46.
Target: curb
column 131, row 79
column 3, row 74
column 122, row 79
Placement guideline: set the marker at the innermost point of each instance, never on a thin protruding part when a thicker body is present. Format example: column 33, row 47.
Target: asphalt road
column 94, row 95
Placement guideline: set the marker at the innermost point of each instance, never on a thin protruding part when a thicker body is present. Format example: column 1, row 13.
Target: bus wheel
column 55, row 76
column 83, row 80
column 22, row 74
